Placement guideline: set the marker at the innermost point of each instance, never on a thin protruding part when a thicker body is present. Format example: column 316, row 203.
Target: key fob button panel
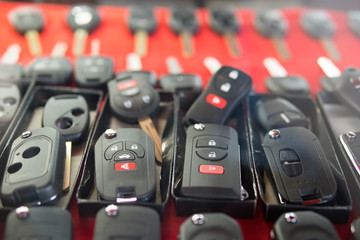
column 114, row 148
column 213, row 142
column 211, row 154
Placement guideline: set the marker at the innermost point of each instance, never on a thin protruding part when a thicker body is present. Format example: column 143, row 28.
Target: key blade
column 147, row 125
column 186, row 44
column 133, row 62
column 331, row 49
column 95, row 47
column 11, row 55
column 281, row 48
column 66, row 182
column 141, row 41
column 173, row 65
column 79, row 42
column 328, row 67
column 34, row 43
column 231, row 44
column 274, row 67
column 212, row 64
column 59, row 49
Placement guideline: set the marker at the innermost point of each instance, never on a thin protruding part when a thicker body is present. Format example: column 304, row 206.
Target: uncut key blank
column 271, row 23
column 141, row 23
column 184, row 23
column 318, row 24
column 82, row 19
column 29, row 21
column 224, row 22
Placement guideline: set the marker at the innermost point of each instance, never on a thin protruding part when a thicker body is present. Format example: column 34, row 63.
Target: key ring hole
column 77, row 112
column 8, row 101
column 31, row 152
column 64, row 123
column 14, row 168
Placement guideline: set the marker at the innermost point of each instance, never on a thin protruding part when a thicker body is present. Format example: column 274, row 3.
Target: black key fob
column 278, row 112
column 288, row 86
column 210, row 226
column 69, row 114
column 317, row 23
column 223, row 21
column 225, row 90
column 146, row 76
column 351, row 143
column 142, row 19
column 347, row 89
column 299, row 166
column 212, row 166
column 183, row 20
column 39, row 223
column 132, row 99
column 93, row 71
column 10, row 98
column 125, row 165
column 35, row 169
column 271, row 23
column 303, row 225
column 25, row 18
column 355, row 229
column 127, row 222
column 83, row 17
column 50, row 70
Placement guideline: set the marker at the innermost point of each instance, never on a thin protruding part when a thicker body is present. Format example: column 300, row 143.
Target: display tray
column 30, row 118
column 165, row 123
column 340, row 120
column 340, row 208
column 185, row 206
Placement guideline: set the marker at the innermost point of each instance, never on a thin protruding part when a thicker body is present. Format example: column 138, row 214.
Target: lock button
column 111, row 150
column 211, row 154
column 213, row 142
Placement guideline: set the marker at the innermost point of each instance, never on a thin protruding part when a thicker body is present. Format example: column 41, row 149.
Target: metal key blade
column 80, row 36
column 274, row 67
column 34, row 43
column 212, row 64
column 328, row 67
column 11, row 55
column 59, row 50
column 141, row 41
column 187, row 44
column 66, row 182
column 147, row 125
column 281, row 48
column 133, row 62
column 231, row 43
column 173, row 65
column 331, row 49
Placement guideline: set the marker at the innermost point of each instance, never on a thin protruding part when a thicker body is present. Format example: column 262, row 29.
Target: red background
column 116, row 41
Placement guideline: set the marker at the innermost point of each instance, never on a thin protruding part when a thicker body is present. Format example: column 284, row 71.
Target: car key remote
column 125, row 165
column 39, row 223
column 127, row 222
column 35, row 168
column 10, row 98
column 212, row 167
column 225, row 90
column 93, row 71
column 134, row 100
column 10, row 70
column 278, row 112
column 299, row 166
column 210, row 226
column 303, row 225
column 69, row 114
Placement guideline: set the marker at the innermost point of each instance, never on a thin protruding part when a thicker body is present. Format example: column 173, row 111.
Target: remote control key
column 10, row 70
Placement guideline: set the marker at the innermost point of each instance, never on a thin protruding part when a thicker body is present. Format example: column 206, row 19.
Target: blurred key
column 354, row 21
column 10, row 70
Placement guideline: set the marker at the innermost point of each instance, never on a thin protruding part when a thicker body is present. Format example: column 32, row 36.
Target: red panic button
column 211, row 169
column 125, row 166
column 216, row 101
column 127, row 84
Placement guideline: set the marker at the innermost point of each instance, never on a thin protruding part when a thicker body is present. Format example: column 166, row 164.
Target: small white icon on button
column 125, row 166
column 134, row 147
column 212, row 155
column 128, row 104
column 216, row 100
column 146, row 99
column 212, row 143
column 225, row 87
column 234, row 74
column 114, row 148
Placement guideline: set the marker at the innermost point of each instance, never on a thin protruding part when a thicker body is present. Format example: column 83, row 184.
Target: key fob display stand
column 338, row 211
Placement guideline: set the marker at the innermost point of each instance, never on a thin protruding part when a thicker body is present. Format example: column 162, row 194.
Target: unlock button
column 211, row 154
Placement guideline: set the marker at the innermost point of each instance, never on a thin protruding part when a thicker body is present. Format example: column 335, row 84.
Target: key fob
column 271, row 23
column 187, row 86
column 303, row 225
column 132, row 99
column 212, row 166
column 146, row 76
column 355, row 229
column 50, row 70
column 299, row 166
column 127, row 222
column 272, row 113
column 351, row 143
column 25, row 18
column 210, row 226
column 69, row 114
column 35, row 169
column 39, row 223
column 347, row 89
column 318, row 24
column 225, row 90
column 93, row 71
column 354, row 21
column 142, row 19
column 83, row 17
column 183, row 20
column 11, row 73
column 223, row 21
column 288, row 86
column 10, row 98
column 125, row 165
